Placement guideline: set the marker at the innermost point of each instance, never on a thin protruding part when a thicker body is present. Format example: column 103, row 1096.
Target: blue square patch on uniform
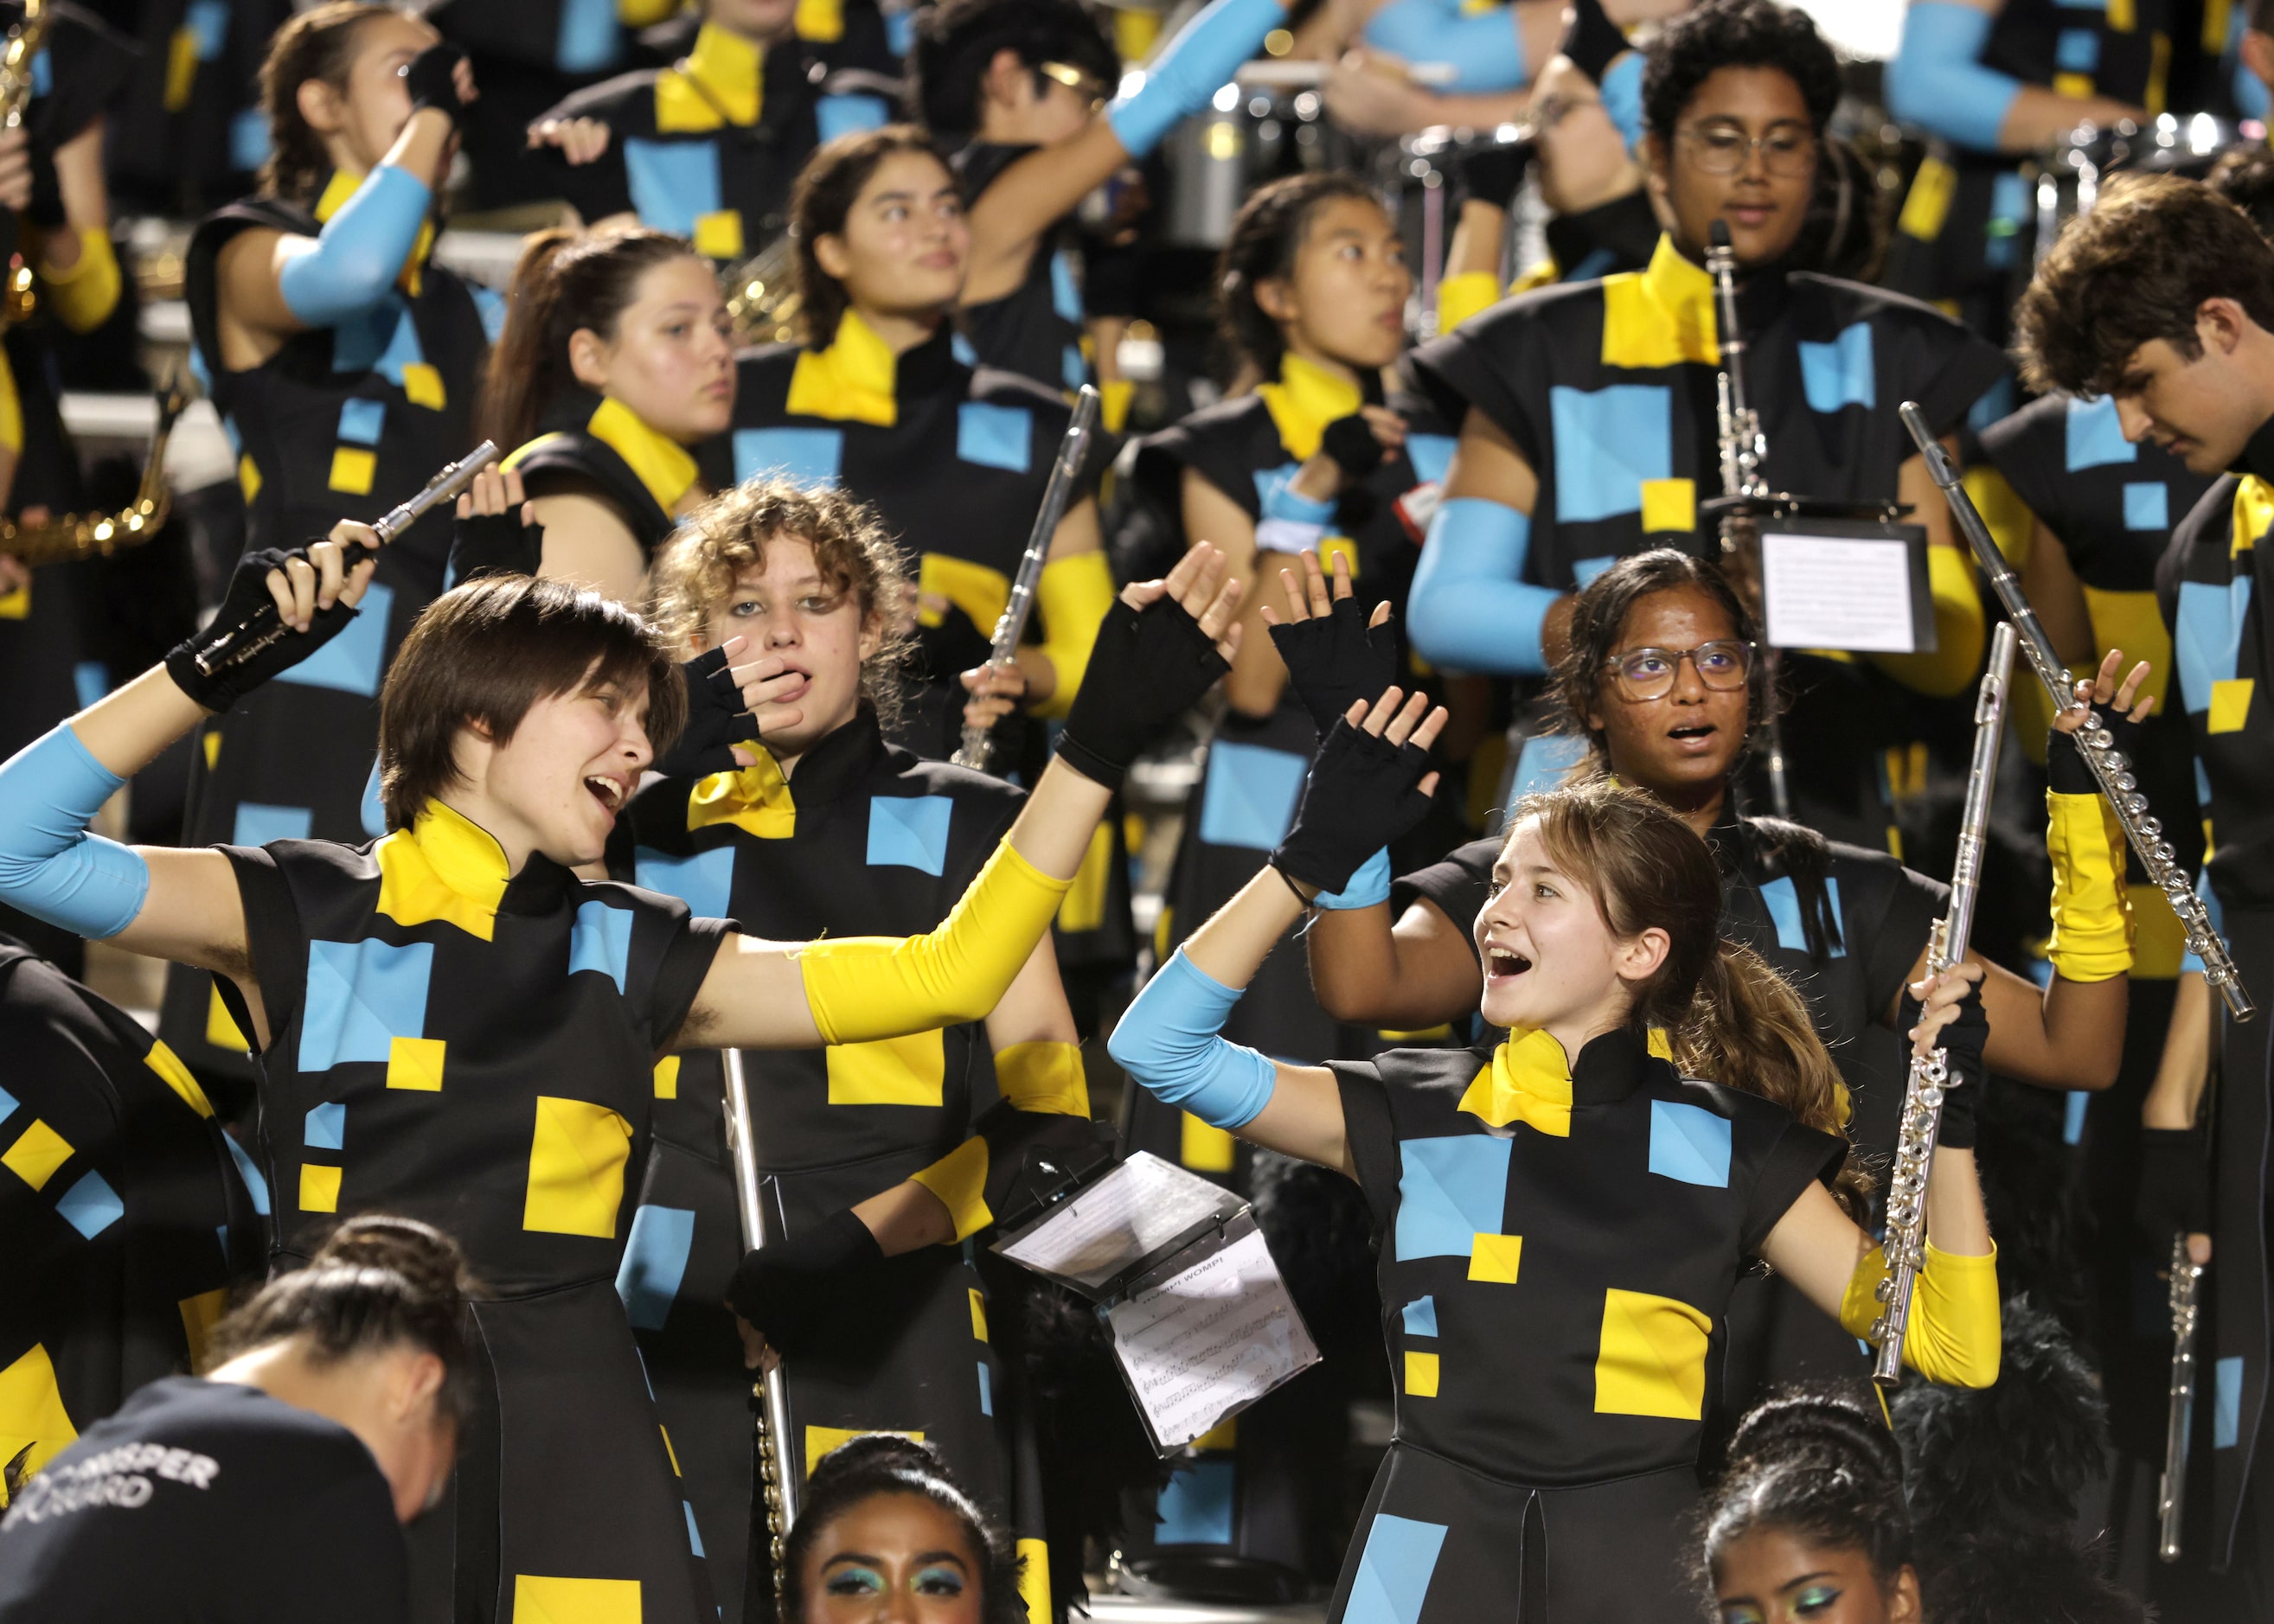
column 986, row 1390
column 1839, row 373
column 703, row 881
column 1196, row 1507
column 360, row 339
column 248, row 140
column 601, row 939
column 91, row 1206
column 694, row 1534
column 353, row 661
column 655, row 1261
column 2146, row 505
column 588, row 39
column 1066, row 287
column 2093, row 435
column 995, row 436
column 803, row 456
column 1688, row 1143
column 1543, row 761
column 2076, row 50
column 2207, row 641
column 207, row 21
column 325, row 1127
column 909, row 832
column 1584, row 570
column 2226, row 1403
column 1420, row 1317
column 836, row 116
column 363, row 421
column 1250, row 795
column 1449, row 1191
column 1393, row 1575
column 257, row 824
column 1783, row 900
column 1072, row 370
column 373, row 807
column 673, row 183
column 1431, row 455
column 8, row 1103
column 360, row 996
column 1608, row 442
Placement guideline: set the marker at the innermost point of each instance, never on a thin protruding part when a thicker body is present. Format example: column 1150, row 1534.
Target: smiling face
column 1681, row 745
column 898, row 1557
column 1551, row 961
column 791, row 612
column 904, row 246
column 1771, row 1575
column 2200, row 411
column 360, row 122
column 557, row 784
column 1765, row 207
column 672, row 358
column 1344, row 301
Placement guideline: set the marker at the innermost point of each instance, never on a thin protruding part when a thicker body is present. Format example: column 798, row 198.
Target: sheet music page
column 1837, row 592
column 1144, row 1204
column 1210, row 1339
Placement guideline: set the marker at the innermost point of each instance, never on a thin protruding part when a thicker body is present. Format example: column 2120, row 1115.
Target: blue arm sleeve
column 1483, row 47
column 1935, row 82
column 1192, row 68
column 1369, row 885
column 1167, row 1040
column 2251, row 98
column 361, row 251
column 1470, row 610
column 1621, row 90
column 50, row 867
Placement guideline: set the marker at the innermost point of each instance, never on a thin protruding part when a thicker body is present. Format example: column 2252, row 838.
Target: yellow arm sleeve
column 960, row 1180
column 1463, row 295
column 1958, row 630
column 1953, row 1332
column 645, row 13
column 861, row 989
column 1073, row 594
column 1115, row 396
column 83, row 296
column 1043, row 1078
column 2092, row 914
column 11, row 408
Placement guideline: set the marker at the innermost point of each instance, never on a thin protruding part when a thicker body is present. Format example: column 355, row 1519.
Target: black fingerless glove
column 946, row 650
column 1493, row 171
column 1961, row 1042
column 494, row 543
column 788, row 1289
column 2066, row 774
column 1335, row 660
column 2174, row 1197
column 1147, row 669
column 1592, row 40
column 1362, row 794
column 716, row 721
column 1350, row 442
column 431, row 77
column 248, row 614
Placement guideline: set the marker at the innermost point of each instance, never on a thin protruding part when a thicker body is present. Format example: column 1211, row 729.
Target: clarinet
column 1905, row 1242
column 265, row 625
column 2094, row 743
column 1011, row 625
column 2187, row 1320
column 776, row 1442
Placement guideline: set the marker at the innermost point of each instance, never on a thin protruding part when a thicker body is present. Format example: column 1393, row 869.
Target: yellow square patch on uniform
column 2076, row 86
column 320, row 1188
column 181, row 67
column 1224, row 1436
column 221, row 1026
column 415, row 1063
column 666, row 1078
column 978, row 1315
column 1670, row 505
column 210, row 741
column 1083, row 906
column 36, row 1155
column 248, row 477
column 2230, row 704
column 31, row 1413
column 1928, row 203
column 1333, row 547
column 819, row 1440
column 577, row 1157
column 353, row 470
column 2122, row 18
column 199, row 1314
column 1652, row 1359
column 1204, row 1147
column 1035, row 1579
column 574, row 1601
column 168, row 1066
column 17, row 606
column 670, row 1454
column 719, row 235
column 1493, row 1258
column 422, row 385
column 909, row 1070
column 1421, row 1375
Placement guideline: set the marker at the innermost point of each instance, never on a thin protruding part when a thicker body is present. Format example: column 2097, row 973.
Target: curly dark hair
column 2137, row 267
column 1736, row 34
column 955, row 42
column 2245, row 177
column 1266, row 236
column 890, row 1463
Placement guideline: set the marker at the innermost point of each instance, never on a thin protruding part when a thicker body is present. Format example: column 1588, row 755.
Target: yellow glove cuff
column 2092, row 915
column 861, row 989
column 1953, row 1332
column 1463, row 295
column 960, row 1180
column 1043, row 1078
column 1073, row 595
column 83, row 296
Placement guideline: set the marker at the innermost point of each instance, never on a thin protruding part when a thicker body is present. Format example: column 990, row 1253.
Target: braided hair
column 1266, row 236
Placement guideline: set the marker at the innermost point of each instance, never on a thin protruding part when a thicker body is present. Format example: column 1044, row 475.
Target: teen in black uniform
column 454, row 1024
column 344, row 365
column 1587, row 411
column 615, row 362
column 276, row 1486
column 1564, row 1216
column 819, row 827
column 189, row 134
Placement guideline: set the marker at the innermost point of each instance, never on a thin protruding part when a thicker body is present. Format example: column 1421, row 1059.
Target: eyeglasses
column 1725, row 149
column 1074, row 79
column 1649, row 673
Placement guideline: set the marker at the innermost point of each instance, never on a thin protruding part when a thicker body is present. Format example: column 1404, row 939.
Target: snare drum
column 2065, row 181
column 1250, row 134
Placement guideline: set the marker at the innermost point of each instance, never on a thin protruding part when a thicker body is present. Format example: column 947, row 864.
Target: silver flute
column 1011, row 625
column 2094, row 743
column 1921, row 1122
column 2187, row 1321
column 777, row 1443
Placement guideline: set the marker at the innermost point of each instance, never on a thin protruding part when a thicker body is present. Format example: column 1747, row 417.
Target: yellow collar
column 854, row 378
column 754, row 799
column 1660, row 316
column 663, row 465
column 444, row 866
column 344, row 186
column 1528, row 1081
column 720, row 76
column 821, row 21
column 2254, row 512
column 1306, row 398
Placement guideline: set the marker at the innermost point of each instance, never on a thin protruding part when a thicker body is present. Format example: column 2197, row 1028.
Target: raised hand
column 1162, row 645
column 1370, row 783
column 314, row 590
column 496, row 531
column 2121, row 708
column 1333, row 659
column 579, row 141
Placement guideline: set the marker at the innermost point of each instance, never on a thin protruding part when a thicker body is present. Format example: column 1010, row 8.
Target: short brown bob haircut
column 483, row 653
column 2137, row 267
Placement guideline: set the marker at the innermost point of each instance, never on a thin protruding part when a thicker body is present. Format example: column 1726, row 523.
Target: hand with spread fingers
column 2121, row 709
column 730, row 698
column 496, row 531
column 1369, row 783
column 1334, row 654
column 1162, row 646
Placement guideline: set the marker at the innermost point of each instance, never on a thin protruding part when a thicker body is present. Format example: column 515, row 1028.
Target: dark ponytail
column 565, row 281
column 1267, row 234
column 889, row 1464
column 319, row 44
column 380, row 1281
column 826, row 188
column 1819, row 1463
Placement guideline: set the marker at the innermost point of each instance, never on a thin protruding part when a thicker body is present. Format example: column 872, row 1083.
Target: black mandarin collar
column 1763, row 292
column 1610, row 1068
column 1627, row 227
column 540, row 887
column 839, row 763
column 2257, row 456
column 927, row 368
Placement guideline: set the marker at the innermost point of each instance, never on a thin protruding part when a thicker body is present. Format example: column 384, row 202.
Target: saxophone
column 2187, row 1321
column 24, row 44
column 98, row 535
column 1905, row 1242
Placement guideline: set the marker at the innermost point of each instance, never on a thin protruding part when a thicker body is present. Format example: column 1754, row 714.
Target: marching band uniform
column 1035, row 330
column 594, row 445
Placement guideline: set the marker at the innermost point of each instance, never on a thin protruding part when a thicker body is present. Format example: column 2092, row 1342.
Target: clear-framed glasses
column 1723, row 148
column 1649, row 673
column 1074, row 79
